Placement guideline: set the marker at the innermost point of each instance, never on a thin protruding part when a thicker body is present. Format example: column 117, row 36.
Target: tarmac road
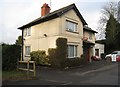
column 97, row 73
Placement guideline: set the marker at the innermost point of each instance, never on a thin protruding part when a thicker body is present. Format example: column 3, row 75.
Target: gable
column 55, row 14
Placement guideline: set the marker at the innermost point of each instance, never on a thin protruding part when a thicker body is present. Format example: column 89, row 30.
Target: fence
column 28, row 67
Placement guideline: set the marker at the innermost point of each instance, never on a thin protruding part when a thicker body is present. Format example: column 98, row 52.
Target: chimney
column 45, row 9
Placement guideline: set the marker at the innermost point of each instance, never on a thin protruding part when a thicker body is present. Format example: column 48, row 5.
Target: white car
column 114, row 56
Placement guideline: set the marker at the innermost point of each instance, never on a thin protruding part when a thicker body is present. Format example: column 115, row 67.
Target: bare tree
column 109, row 9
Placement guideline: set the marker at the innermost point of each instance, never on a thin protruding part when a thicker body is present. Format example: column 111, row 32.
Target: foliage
column 52, row 56
column 58, row 56
column 109, row 9
column 19, row 40
column 39, row 57
column 71, row 62
column 112, row 34
column 61, row 51
column 118, row 36
column 10, row 56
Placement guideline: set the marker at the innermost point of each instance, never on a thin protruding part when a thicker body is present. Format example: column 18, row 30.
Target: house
column 88, row 42
column 99, row 48
column 67, row 22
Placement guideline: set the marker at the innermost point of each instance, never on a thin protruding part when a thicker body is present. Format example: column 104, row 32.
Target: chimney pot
column 45, row 9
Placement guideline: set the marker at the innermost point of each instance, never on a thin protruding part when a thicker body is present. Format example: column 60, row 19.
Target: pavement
column 96, row 71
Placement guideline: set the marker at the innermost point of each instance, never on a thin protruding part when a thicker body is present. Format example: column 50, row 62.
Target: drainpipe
column 22, row 45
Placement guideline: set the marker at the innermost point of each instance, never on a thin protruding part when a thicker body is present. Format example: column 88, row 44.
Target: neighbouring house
column 99, row 48
column 88, row 42
column 67, row 22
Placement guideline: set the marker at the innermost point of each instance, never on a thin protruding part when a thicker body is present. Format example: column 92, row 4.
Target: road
column 105, row 75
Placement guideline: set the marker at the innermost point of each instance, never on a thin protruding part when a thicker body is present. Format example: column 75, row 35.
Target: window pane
column 71, row 51
column 75, row 50
column 29, row 31
column 27, row 50
column 71, row 26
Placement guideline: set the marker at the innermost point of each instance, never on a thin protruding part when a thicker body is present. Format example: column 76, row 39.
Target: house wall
column 87, row 34
column 92, row 39
column 73, row 38
column 100, row 47
column 54, row 29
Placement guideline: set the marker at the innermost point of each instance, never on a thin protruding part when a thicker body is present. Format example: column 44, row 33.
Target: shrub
column 52, row 56
column 71, row 62
column 39, row 57
column 10, row 56
column 57, row 56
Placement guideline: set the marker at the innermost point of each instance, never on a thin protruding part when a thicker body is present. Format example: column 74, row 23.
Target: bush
column 52, row 56
column 71, row 62
column 58, row 56
column 10, row 56
column 39, row 57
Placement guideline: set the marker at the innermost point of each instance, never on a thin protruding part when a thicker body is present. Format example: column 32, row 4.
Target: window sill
column 72, row 31
column 72, row 57
column 27, row 55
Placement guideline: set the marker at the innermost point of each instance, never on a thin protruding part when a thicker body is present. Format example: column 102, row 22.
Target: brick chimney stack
column 45, row 9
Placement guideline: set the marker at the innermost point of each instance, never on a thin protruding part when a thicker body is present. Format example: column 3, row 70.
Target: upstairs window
column 27, row 32
column 71, row 26
column 90, row 36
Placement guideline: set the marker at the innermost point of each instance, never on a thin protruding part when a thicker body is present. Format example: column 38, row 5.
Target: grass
column 15, row 75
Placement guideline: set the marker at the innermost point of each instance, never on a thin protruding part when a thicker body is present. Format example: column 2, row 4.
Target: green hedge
column 10, row 56
column 39, row 57
column 72, row 62
column 58, row 56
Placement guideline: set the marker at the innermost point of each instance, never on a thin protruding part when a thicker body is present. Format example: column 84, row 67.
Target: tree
column 118, row 16
column 112, row 34
column 109, row 9
column 118, row 36
column 19, row 40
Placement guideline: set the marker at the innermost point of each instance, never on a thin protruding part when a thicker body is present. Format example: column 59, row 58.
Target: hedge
column 39, row 57
column 10, row 56
column 58, row 56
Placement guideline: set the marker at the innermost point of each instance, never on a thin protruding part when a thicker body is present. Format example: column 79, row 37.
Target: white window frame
column 75, row 49
column 71, row 26
column 27, row 50
column 90, row 36
column 27, row 32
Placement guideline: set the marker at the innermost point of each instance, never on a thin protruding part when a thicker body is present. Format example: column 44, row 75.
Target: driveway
column 95, row 73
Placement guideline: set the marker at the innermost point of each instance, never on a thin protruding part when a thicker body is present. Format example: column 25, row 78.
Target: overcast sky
column 15, row 13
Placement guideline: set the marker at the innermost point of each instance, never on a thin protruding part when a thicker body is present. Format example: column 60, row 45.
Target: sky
column 15, row 13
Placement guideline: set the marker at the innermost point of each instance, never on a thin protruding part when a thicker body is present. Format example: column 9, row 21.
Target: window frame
column 26, row 50
column 73, row 25
column 27, row 32
column 75, row 50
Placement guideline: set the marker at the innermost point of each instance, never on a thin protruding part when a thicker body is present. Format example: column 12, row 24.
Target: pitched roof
column 89, row 29
column 55, row 14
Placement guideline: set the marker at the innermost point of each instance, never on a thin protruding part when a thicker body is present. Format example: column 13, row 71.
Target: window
column 72, row 51
column 27, row 32
column 90, row 36
column 71, row 26
column 27, row 50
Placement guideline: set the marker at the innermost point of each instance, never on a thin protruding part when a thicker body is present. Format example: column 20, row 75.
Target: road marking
column 67, row 83
column 100, row 69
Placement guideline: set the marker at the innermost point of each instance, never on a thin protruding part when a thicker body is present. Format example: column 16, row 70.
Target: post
column 28, row 69
column 34, row 69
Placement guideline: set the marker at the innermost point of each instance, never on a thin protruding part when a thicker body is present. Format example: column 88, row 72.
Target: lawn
column 15, row 75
